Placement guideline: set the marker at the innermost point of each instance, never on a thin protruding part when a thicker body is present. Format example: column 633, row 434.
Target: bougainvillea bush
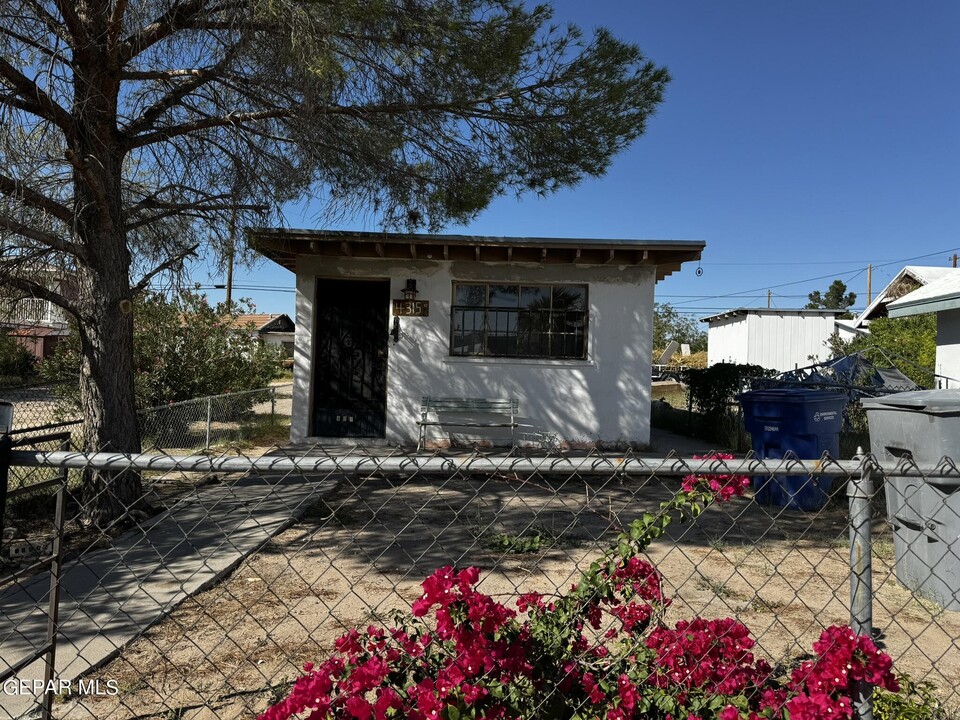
column 600, row 650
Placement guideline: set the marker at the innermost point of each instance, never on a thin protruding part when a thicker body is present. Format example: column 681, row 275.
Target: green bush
column 714, row 391
column 715, row 388
column 182, row 350
column 15, row 360
column 915, row 701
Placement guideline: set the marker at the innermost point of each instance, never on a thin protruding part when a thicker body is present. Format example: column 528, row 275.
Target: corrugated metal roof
column 928, row 273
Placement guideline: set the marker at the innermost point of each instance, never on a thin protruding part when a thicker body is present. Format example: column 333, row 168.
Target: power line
column 261, row 288
column 853, row 275
column 776, row 295
column 824, row 262
column 795, row 282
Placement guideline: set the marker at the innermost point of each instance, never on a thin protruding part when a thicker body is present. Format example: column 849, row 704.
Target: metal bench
column 506, row 409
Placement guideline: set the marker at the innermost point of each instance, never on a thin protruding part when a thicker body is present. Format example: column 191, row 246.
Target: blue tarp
column 856, row 374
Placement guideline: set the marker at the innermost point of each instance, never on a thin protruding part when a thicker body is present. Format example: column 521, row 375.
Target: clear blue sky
column 799, row 140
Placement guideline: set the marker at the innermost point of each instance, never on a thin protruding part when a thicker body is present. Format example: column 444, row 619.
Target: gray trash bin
column 925, row 514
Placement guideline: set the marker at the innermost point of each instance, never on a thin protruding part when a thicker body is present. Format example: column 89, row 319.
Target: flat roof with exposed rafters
column 283, row 246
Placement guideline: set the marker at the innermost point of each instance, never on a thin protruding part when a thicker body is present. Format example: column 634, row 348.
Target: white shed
column 772, row 338
column 942, row 297
column 563, row 325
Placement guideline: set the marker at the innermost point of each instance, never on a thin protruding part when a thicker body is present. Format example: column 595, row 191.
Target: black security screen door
column 350, row 363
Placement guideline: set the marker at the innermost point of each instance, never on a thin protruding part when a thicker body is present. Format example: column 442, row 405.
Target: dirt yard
column 230, row 651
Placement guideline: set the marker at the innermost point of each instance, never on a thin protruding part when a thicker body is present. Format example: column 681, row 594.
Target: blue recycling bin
column 802, row 421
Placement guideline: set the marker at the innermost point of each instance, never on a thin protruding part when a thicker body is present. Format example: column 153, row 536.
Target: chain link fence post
column 209, row 421
column 860, row 493
column 53, row 605
column 6, row 425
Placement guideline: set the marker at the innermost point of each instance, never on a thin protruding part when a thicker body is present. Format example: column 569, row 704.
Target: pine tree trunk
column 105, row 302
column 107, row 400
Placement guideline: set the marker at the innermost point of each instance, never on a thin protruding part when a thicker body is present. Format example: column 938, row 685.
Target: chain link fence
column 252, row 422
column 202, row 423
column 251, row 416
column 36, row 406
column 234, row 571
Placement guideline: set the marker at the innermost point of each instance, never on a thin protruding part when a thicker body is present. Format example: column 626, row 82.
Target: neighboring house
column 941, row 296
column 37, row 324
column 277, row 329
column 383, row 319
column 906, row 281
column 40, row 340
column 772, row 338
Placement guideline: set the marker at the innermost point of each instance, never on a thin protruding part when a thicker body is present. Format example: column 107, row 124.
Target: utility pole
column 230, row 252
column 769, row 293
column 954, row 259
column 869, row 283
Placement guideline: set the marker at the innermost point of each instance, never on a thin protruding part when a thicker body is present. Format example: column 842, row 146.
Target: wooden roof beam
column 666, row 269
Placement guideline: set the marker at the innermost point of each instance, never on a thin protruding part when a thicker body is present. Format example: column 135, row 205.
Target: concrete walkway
column 109, row 597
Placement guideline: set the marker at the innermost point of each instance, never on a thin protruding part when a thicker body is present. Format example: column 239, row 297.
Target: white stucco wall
column 779, row 342
column 948, row 347
column 605, row 397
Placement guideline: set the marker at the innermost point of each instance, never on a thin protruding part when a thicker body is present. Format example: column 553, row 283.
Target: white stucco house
column 562, row 325
column 941, row 296
column 773, row 338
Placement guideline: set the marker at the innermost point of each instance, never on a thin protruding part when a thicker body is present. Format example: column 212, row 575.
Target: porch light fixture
column 410, row 291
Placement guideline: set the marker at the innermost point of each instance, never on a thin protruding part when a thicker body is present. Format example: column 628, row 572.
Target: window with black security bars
column 522, row 321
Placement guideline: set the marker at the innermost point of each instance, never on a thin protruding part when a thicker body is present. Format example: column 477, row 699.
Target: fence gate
column 30, row 494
